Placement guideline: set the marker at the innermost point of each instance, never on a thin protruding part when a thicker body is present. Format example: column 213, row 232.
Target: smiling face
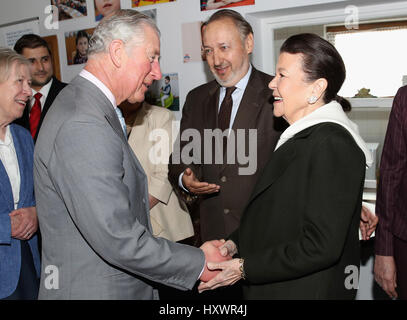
column 107, row 7
column 41, row 66
column 227, row 55
column 141, row 67
column 291, row 90
column 15, row 92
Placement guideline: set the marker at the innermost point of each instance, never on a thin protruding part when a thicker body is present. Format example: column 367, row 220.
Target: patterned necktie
column 121, row 119
column 35, row 114
column 226, row 109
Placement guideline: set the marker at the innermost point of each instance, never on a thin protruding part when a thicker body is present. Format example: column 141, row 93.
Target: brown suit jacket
column 220, row 213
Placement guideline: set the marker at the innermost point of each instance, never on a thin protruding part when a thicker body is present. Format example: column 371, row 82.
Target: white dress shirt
column 9, row 160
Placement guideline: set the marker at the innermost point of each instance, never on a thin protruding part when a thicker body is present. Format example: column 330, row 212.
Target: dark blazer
column 220, row 213
column 391, row 204
column 24, row 121
column 299, row 231
column 10, row 253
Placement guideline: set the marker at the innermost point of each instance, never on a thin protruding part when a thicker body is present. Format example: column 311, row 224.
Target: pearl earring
column 312, row 99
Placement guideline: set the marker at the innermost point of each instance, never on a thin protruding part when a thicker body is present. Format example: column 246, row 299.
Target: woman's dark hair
column 320, row 60
column 81, row 34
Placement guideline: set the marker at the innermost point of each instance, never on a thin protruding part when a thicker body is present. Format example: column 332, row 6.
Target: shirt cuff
column 180, row 182
column 203, row 269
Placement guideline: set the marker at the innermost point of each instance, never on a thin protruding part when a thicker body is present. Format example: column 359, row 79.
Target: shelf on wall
column 371, row 102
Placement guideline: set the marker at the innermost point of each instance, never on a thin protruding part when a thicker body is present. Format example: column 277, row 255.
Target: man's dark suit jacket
column 220, row 213
column 24, row 121
column 391, row 204
column 299, row 233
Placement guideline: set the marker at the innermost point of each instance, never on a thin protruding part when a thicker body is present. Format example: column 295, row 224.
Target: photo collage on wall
column 70, row 9
column 140, row 3
column 77, row 45
column 221, row 4
column 164, row 92
column 105, row 8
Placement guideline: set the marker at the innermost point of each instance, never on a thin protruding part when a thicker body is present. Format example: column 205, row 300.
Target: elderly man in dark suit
column 45, row 87
column 237, row 99
column 228, row 43
column 391, row 206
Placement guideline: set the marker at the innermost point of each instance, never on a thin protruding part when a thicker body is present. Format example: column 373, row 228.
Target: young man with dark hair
column 45, row 87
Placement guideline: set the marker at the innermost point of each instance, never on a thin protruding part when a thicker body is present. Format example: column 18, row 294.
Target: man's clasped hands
column 220, row 269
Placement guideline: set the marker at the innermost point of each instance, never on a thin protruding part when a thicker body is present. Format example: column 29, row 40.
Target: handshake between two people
column 220, row 269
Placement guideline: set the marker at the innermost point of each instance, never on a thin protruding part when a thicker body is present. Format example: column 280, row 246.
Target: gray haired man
column 91, row 191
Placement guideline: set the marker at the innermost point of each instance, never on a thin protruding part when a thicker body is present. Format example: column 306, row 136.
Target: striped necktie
column 121, row 119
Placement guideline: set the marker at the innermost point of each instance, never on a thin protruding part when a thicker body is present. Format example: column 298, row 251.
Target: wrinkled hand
column 230, row 274
column 195, row 186
column 368, row 223
column 228, row 249
column 212, row 253
column 385, row 274
column 24, row 223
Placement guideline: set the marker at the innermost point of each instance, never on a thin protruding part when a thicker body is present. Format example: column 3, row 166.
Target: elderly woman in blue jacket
column 19, row 256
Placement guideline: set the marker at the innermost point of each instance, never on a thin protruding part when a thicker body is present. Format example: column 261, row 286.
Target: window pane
column 376, row 60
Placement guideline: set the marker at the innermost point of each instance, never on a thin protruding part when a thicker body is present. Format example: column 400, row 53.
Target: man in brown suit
column 228, row 43
column 45, row 86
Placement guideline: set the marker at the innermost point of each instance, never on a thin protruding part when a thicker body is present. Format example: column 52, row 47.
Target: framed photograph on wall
column 140, row 3
column 221, row 4
column 53, row 45
column 191, row 42
column 164, row 92
column 105, row 8
column 77, row 45
column 70, row 9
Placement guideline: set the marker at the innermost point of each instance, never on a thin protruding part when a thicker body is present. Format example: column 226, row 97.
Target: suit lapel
column 254, row 97
column 211, row 109
column 22, row 159
column 55, row 88
column 256, row 93
column 52, row 93
column 5, row 187
column 281, row 159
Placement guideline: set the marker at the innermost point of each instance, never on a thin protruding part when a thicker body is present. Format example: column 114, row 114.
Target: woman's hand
column 230, row 274
column 368, row 223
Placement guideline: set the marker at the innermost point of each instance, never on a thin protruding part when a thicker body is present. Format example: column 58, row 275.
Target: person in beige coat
column 149, row 134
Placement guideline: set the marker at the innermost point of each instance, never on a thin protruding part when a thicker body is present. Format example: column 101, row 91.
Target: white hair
column 8, row 58
column 126, row 25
